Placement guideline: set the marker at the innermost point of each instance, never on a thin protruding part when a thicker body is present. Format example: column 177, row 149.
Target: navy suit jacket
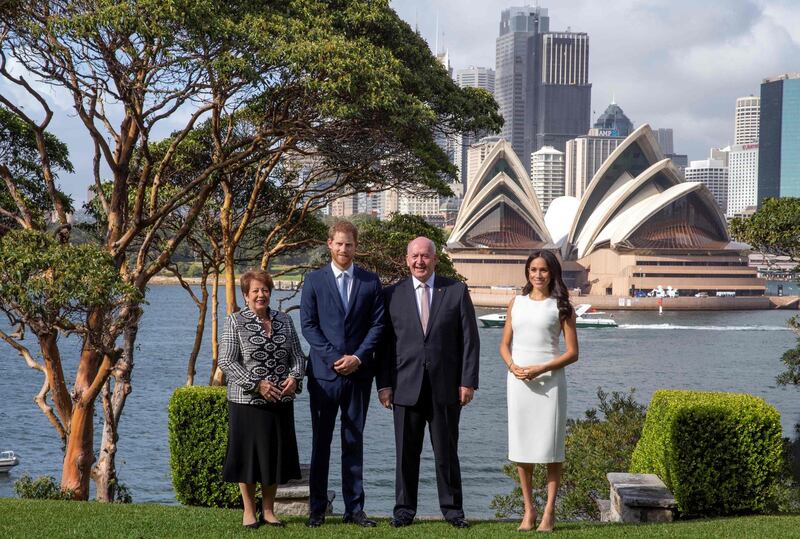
column 331, row 332
column 449, row 351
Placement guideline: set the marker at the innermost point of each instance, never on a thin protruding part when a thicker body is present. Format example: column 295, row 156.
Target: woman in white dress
column 537, row 387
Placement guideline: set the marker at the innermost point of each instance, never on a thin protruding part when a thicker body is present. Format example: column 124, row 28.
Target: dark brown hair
column 255, row 275
column 343, row 226
column 558, row 289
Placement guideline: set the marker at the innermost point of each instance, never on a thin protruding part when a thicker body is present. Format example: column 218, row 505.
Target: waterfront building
column 584, row 155
column 665, row 139
column 742, row 179
column 779, row 137
column 547, row 175
column 638, row 225
column 713, row 172
column 748, row 113
column 471, row 77
column 613, row 122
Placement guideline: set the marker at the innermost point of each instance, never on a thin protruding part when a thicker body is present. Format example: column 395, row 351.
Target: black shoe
column 401, row 522
column 458, row 522
column 315, row 521
column 253, row 526
column 359, row 519
column 265, row 522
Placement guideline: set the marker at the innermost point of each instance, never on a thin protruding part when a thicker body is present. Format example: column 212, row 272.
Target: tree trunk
column 105, row 472
column 48, row 344
column 201, row 326
column 217, row 376
column 101, row 473
column 79, row 456
column 230, row 281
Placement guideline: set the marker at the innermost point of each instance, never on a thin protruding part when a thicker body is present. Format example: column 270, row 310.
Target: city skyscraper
column 748, row 112
column 742, row 178
column 714, row 173
column 563, row 93
column 547, row 175
column 474, row 77
column 665, row 140
column 779, row 137
column 583, row 157
column 476, row 154
column 613, row 122
column 516, row 77
column 542, row 82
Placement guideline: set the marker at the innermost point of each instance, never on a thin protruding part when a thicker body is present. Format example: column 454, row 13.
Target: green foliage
column 600, row 442
column 719, row 453
column 773, row 229
column 49, row 282
column 20, row 156
column 791, row 358
column 198, row 437
column 382, row 246
column 41, row 488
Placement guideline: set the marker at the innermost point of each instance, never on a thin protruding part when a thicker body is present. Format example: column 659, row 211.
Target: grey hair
column 430, row 242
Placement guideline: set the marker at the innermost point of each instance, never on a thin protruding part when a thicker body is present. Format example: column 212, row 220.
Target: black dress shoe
column 400, row 522
column 315, row 521
column 458, row 522
column 359, row 519
column 253, row 526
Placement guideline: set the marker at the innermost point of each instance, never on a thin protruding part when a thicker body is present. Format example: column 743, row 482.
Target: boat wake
column 704, row 328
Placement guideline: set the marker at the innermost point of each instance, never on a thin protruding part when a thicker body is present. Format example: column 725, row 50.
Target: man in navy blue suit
column 341, row 314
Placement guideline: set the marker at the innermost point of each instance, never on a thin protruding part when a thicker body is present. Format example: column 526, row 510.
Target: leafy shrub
column 41, row 488
column 594, row 447
column 198, row 437
column 719, row 453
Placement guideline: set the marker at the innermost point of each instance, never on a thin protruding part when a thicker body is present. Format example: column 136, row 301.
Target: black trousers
column 409, row 432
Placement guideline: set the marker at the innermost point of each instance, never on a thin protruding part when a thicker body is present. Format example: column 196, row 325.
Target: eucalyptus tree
column 343, row 77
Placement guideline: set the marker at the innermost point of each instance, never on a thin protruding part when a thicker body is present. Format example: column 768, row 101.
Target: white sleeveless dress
column 537, row 409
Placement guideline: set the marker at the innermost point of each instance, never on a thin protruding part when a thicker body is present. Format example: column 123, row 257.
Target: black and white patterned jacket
column 248, row 355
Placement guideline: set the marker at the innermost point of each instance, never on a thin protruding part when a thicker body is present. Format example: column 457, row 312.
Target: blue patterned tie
column 343, row 289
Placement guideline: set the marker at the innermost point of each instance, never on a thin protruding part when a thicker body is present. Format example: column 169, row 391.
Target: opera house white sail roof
column 636, row 200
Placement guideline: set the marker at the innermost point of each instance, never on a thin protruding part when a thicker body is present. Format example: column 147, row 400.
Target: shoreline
column 499, row 298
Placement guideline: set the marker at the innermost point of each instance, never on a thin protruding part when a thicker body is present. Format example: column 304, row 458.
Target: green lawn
column 29, row 518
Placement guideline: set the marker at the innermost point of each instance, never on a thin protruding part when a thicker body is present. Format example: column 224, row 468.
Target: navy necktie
column 343, row 289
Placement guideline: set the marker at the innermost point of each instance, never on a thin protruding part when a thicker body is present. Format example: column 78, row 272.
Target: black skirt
column 262, row 446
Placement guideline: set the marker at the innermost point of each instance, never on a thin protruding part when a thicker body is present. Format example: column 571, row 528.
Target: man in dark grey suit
column 428, row 371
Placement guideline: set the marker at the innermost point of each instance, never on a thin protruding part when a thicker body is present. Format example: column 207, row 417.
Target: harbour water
column 722, row 351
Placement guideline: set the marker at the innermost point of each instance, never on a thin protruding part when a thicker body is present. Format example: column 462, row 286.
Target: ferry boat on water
column 586, row 318
column 7, row 460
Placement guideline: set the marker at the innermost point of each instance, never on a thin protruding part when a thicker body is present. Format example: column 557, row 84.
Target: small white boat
column 586, row 318
column 8, row 460
column 494, row 320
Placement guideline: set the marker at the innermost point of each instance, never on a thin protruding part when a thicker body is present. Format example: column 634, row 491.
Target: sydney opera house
column 638, row 226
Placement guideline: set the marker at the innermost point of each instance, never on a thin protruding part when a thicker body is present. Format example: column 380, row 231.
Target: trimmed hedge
column 719, row 453
column 198, row 438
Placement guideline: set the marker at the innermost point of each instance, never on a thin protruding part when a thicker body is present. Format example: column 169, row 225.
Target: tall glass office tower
column 779, row 134
column 515, row 76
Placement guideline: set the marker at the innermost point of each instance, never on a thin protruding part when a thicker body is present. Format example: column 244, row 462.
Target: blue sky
column 678, row 63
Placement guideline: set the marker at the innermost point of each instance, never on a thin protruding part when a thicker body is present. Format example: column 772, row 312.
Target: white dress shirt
column 337, row 274
column 418, row 292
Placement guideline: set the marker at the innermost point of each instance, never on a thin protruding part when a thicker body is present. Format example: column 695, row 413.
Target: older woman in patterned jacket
column 261, row 357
